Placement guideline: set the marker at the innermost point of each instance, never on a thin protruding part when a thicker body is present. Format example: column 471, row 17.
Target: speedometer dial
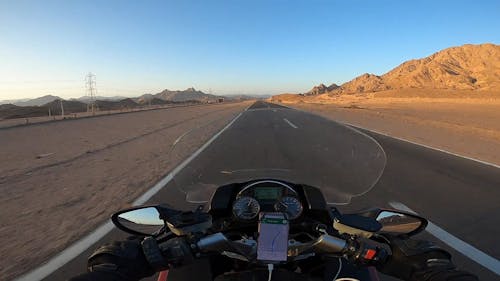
column 246, row 208
column 291, row 206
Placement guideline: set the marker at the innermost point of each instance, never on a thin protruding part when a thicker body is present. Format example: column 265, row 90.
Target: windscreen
column 262, row 144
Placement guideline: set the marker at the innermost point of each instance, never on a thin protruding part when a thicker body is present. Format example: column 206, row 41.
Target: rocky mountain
column 468, row 67
column 151, row 101
column 38, row 101
column 113, row 105
column 321, row 89
column 189, row 94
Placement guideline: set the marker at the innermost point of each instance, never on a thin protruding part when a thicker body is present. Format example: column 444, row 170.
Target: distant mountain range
column 37, row 101
column 189, row 94
column 86, row 99
column 41, row 106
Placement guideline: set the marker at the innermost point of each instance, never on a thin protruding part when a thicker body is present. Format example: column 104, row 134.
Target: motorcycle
column 278, row 228
column 274, row 223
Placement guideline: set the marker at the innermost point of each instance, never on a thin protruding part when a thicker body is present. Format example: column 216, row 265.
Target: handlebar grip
column 154, row 254
column 330, row 244
column 177, row 252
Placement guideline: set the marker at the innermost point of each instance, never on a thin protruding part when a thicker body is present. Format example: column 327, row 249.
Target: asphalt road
column 459, row 195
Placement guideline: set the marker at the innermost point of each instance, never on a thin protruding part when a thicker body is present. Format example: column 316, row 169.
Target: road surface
column 458, row 195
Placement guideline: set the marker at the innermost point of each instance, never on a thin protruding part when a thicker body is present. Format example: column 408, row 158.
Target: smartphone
column 272, row 244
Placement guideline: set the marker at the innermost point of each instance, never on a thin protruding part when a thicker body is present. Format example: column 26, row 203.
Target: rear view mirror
column 139, row 221
column 399, row 223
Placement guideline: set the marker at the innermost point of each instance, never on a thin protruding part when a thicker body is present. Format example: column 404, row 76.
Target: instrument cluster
column 267, row 196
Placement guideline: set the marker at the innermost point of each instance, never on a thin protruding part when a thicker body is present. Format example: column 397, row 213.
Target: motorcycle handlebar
column 178, row 251
column 219, row 242
column 326, row 244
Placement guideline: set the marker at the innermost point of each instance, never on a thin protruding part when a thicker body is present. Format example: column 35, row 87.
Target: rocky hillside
column 468, row 67
column 115, row 105
column 321, row 89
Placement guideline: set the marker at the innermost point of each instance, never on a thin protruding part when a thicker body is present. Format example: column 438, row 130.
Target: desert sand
column 59, row 180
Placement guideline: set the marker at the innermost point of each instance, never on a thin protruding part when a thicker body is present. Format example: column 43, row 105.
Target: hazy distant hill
column 38, row 101
column 245, row 97
column 86, row 99
column 468, row 67
column 189, row 94
column 13, row 101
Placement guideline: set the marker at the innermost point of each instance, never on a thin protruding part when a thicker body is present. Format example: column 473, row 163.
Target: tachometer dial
column 291, row 206
column 246, row 208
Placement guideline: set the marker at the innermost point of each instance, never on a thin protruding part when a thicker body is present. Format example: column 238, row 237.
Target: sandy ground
column 59, row 180
column 464, row 125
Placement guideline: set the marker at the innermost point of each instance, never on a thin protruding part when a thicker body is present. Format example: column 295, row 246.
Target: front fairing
column 343, row 162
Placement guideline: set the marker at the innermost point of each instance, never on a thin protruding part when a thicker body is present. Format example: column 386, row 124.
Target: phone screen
column 272, row 244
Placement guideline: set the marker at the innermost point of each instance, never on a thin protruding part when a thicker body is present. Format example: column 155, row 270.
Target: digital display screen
column 267, row 193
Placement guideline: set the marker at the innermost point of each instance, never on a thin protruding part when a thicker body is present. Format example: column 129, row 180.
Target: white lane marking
column 401, row 139
column 290, row 123
column 466, row 249
column 67, row 254
column 83, row 244
column 426, row 146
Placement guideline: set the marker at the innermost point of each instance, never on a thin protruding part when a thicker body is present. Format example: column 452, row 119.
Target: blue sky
column 229, row 47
